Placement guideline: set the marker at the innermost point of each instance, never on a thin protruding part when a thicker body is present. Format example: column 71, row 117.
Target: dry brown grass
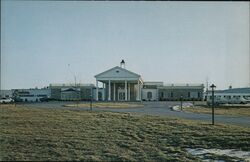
column 54, row 134
column 234, row 111
column 117, row 105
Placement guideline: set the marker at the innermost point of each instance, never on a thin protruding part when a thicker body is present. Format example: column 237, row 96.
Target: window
column 41, row 95
column 188, row 94
column 162, row 94
column 149, row 95
column 23, row 92
column 99, row 95
column 172, row 94
column 26, row 95
column 246, row 97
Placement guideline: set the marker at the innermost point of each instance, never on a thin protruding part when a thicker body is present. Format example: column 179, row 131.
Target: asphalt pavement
column 153, row 108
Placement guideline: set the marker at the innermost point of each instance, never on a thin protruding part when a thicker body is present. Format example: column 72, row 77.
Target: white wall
column 154, row 94
column 35, row 94
column 5, row 94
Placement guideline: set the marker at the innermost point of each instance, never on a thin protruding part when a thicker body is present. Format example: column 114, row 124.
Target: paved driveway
column 155, row 108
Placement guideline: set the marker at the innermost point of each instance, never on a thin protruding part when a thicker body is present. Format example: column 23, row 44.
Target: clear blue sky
column 173, row 42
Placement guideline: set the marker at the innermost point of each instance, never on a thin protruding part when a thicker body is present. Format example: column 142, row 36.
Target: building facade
column 175, row 92
column 70, row 92
column 229, row 96
column 31, row 95
column 120, row 84
column 5, row 94
column 150, row 91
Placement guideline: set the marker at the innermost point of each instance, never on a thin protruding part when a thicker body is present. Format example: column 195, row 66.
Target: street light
column 212, row 86
column 76, row 93
column 181, row 101
column 91, row 97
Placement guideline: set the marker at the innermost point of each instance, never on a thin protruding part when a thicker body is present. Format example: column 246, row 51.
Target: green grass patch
column 53, row 134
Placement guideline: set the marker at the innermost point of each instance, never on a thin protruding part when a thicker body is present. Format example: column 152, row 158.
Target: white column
column 96, row 90
column 138, row 90
column 109, row 98
column 126, row 91
column 103, row 92
column 114, row 93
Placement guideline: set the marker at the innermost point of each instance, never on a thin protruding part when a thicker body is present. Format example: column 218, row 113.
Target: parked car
column 45, row 99
column 6, row 100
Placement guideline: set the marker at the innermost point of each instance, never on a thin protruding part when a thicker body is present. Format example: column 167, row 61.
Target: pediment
column 117, row 72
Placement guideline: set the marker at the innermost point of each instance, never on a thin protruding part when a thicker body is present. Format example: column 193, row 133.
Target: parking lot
column 151, row 108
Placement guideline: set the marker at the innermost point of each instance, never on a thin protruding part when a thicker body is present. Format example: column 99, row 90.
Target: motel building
column 120, row 84
column 117, row 84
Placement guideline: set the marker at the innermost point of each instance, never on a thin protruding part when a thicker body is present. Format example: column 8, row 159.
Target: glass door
column 121, row 96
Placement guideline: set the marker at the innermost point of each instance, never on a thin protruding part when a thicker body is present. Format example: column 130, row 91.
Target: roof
column 117, row 72
column 70, row 90
column 182, row 86
column 70, row 85
column 153, row 83
column 236, row 90
column 233, row 90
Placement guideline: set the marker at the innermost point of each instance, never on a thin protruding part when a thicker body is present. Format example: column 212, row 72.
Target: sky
column 45, row 42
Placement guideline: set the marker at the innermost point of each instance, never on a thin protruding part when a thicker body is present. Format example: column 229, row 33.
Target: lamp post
column 76, row 93
column 212, row 86
column 181, row 102
column 91, row 97
column 77, row 98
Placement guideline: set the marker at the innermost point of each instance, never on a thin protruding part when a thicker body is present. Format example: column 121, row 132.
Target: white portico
column 119, row 84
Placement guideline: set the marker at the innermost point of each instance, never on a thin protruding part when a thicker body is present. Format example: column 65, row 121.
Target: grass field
column 115, row 105
column 235, row 111
column 53, row 134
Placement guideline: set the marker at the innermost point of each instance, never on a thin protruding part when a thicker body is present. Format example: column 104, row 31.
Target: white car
column 6, row 100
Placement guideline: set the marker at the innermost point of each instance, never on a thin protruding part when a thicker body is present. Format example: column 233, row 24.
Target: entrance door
column 121, row 94
column 149, row 96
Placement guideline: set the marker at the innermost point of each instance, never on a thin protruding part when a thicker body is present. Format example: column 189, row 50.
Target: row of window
column 70, row 96
column 26, row 100
column 172, row 94
column 29, row 95
column 228, row 97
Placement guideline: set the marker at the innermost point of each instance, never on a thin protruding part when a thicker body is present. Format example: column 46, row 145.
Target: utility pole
column 76, row 92
column 206, row 88
column 213, row 86
column 181, row 102
column 91, row 99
